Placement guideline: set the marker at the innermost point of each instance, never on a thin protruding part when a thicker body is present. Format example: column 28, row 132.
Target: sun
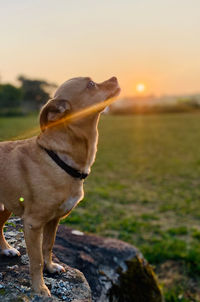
column 140, row 87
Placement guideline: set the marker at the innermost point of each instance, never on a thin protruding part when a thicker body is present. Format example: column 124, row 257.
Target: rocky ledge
column 70, row 286
column 116, row 271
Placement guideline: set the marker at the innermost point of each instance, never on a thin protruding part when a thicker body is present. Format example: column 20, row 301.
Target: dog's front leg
column 33, row 238
column 49, row 235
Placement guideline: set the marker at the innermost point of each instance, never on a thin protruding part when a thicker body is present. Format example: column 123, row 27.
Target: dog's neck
column 75, row 143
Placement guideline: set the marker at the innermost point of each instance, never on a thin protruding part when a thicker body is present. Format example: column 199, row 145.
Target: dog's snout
column 113, row 79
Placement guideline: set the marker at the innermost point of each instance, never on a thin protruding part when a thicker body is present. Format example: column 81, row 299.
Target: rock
column 115, row 270
column 70, row 286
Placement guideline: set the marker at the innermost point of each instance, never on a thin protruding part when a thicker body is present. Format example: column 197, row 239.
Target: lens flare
column 69, row 118
column 81, row 113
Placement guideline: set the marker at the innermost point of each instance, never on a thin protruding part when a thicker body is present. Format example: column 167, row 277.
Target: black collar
column 68, row 169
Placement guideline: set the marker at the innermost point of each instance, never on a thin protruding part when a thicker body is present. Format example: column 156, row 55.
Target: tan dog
column 35, row 185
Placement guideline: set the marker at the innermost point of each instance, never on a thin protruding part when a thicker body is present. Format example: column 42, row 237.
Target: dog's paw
column 42, row 290
column 55, row 268
column 10, row 252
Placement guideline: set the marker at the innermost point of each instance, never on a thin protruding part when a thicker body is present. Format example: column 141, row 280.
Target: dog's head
column 75, row 98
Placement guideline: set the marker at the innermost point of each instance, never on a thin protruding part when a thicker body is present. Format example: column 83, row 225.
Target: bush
column 10, row 97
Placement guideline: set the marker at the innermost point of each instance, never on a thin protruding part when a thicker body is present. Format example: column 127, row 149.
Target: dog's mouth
column 115, row 93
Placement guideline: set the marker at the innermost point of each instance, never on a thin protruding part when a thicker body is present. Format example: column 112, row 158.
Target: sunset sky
column 154, row 42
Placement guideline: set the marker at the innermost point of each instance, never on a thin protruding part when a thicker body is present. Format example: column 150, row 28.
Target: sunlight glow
column 140, row 87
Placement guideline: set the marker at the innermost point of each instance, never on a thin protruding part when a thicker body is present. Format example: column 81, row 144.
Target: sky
column 155, row 42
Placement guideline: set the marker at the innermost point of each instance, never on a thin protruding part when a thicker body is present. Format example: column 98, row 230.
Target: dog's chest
column 69, row 204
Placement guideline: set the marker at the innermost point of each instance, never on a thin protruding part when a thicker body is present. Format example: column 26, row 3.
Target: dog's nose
column 113, row 79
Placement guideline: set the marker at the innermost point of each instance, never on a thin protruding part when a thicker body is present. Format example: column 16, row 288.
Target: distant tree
column 10, row 97
column 34, row 93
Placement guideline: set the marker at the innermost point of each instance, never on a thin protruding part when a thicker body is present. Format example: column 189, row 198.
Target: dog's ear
column 54, row 110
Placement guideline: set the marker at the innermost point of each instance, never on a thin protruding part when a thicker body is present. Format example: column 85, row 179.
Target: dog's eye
column 91, row 84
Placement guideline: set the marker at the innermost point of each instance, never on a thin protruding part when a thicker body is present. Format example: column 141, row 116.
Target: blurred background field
column 144, row 189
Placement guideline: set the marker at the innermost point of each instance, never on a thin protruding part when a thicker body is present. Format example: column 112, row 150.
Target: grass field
column 11, row 128
column 145, row 189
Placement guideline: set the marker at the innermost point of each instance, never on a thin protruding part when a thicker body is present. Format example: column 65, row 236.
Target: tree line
column 28, row 97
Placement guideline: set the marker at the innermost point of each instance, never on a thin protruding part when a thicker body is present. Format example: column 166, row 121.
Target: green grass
column 11, row 127
column 145, row 189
